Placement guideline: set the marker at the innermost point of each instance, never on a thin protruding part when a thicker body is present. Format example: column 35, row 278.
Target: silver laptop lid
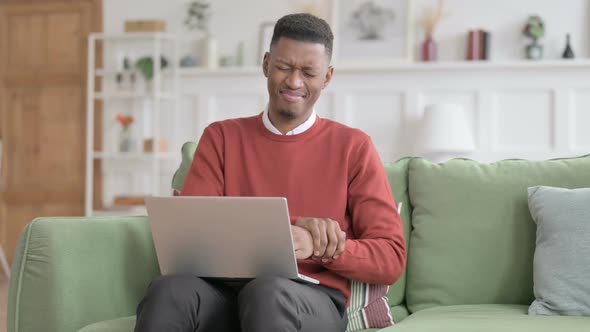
column 223, row 237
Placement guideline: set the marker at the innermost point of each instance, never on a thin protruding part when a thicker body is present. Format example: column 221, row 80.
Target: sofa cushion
column 399, row 313
column 486, row 318
column 561, row 268
column 124, row 324
column 127, row 324
column 473, row 238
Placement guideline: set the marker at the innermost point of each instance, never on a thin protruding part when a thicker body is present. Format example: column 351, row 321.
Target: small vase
column 209, row 49
column 568, row 53
column 150, row 87
column 534, row 51
column 125, row 140
column 429, row 49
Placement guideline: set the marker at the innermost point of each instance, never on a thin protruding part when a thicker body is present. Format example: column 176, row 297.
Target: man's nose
column 295, row 79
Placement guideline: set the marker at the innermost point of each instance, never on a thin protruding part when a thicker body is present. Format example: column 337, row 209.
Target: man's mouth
column 292, row 96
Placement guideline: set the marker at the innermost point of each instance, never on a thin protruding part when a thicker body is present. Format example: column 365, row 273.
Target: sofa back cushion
column 397, row 173
column 473, row 237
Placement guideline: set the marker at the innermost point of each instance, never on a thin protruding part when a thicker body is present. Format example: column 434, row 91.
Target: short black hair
column 306, row 28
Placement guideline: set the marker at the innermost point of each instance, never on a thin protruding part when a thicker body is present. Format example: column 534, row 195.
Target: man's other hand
column 328, row 239
column 302, row 241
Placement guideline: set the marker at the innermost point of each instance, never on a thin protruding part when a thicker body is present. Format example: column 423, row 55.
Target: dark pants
column 186, row 303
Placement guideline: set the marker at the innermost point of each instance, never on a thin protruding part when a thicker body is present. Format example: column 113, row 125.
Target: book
column 484, row 44
column 473, row 48
column 478, row 45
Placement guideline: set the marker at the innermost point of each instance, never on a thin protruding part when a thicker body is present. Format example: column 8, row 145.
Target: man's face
column 296, row 73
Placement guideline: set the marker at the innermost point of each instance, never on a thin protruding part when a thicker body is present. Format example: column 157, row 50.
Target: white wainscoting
column 533, row 110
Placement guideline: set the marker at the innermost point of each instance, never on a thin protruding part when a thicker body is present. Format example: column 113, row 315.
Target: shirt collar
column 300, row 129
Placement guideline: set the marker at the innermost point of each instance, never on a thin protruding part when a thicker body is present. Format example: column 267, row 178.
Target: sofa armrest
column 70, row 272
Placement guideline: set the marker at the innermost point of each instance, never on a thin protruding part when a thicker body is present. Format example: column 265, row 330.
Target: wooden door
column 43, row 47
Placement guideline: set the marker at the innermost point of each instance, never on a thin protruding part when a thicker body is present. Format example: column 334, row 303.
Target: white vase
column 209, row 55
column 125, row 140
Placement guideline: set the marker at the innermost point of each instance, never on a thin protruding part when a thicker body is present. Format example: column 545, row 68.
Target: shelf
column 134, row 36
column 100, row 72
column 462, row 65
column 199, row 71
column 135, row 155
column 133, row 95
column 372, row 66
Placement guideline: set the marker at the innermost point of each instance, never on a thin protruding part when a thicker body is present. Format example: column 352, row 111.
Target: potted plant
column 534, row 29
column 199, row 18
column 145, row 65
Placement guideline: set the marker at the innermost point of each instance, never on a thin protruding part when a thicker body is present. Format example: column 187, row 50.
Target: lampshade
column 444, row 129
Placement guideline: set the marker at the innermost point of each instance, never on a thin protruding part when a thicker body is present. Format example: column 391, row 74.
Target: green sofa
column 470, row 236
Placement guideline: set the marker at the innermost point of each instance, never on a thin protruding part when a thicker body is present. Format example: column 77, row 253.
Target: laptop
column 223, row 237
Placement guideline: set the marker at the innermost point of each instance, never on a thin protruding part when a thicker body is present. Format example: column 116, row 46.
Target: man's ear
column 265, row 64
column 328, row 77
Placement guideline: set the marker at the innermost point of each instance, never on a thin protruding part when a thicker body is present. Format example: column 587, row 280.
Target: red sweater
column 329, row 171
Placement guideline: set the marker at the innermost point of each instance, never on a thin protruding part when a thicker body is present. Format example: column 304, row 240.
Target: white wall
column 516, row 109
column 234, row 21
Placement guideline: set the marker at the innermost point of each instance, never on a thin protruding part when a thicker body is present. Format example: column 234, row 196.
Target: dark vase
column 429, row 49
column 568, row 53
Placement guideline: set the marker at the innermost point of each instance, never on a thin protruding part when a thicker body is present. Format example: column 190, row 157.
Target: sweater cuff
column 344, row 260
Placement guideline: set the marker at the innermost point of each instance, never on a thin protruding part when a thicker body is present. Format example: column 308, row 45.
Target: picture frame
column 264, row 39
column 372, row 31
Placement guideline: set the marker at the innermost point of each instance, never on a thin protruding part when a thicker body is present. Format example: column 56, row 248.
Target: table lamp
column 445, row 132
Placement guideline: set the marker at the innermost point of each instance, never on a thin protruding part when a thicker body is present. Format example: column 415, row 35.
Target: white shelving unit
column 151, row 103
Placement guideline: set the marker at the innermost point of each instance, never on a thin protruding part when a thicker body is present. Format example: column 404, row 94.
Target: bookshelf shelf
column 353, row 67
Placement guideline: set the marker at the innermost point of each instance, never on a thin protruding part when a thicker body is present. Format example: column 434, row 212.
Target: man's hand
column 328, row 239
column 302, row 241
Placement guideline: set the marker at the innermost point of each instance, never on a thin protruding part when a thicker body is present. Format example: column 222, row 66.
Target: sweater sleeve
column 205, row 177
column 377, row 253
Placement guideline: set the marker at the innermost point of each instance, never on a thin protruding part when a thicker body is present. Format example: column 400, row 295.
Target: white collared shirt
column 301, row 128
